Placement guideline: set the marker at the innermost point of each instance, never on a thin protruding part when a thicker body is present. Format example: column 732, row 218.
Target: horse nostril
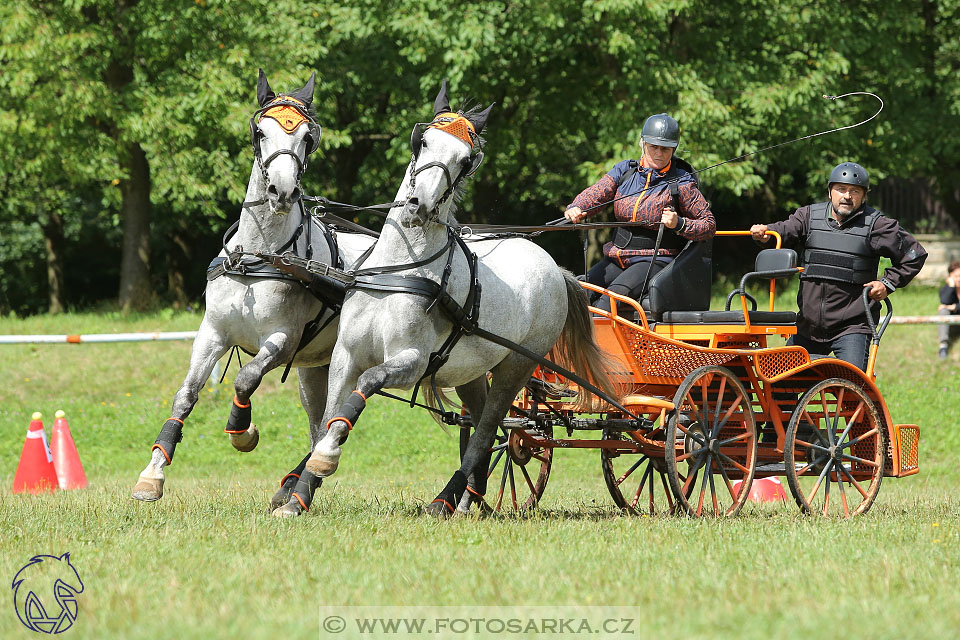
column 295, row 194
column 272, row 190
column 414, row 202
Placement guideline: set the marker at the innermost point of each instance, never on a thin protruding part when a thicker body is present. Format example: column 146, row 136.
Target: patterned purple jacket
column 651, row 194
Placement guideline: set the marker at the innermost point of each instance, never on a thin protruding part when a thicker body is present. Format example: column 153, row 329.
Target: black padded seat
column 728, row 317
column 684, row 284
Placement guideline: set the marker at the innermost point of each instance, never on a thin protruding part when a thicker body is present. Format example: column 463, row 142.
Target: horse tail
column 577, row 348
column 437, row 401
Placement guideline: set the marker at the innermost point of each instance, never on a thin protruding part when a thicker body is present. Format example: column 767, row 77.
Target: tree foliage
column 86, row 85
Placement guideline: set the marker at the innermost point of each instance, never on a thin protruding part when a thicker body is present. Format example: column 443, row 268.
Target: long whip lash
column 812, row 135
column 773, row 146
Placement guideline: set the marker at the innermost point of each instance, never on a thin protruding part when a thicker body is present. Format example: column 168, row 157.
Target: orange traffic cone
column 35, row 472
column 66, row 460
column 763, row 490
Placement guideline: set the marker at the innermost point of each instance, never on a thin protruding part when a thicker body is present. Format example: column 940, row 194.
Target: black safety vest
column 841, row 255
column 640, row 238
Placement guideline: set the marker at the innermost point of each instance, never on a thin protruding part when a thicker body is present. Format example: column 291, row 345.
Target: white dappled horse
column 387, row 336
column 262, row 312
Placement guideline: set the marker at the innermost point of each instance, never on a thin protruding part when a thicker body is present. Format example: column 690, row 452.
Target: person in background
column 844, row 239
column 641, row 193
column 949, row 306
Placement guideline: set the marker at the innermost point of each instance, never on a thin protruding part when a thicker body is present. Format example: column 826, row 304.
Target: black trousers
column 627, row 282
column 853, row 348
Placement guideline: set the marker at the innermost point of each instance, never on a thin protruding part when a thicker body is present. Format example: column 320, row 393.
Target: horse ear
column 442, row 103
column 264, row 93
column 480, row 119
column 306, row 94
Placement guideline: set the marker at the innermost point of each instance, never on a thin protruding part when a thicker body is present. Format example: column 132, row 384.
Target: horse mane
column 468, row 110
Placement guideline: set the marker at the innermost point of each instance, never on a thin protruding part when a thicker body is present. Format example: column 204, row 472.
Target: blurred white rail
column 925, row 320
column 98, row 337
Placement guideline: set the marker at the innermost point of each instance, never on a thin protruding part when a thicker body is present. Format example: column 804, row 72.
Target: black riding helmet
column 661, row 130
column 850, row 173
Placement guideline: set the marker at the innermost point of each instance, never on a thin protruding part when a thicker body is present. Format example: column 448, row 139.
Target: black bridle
column 468, row 166
column 233, row 262
column 313, row 141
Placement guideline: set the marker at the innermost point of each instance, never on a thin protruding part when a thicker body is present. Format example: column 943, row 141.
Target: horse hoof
column 438, row 510
column 148, row 489
column 291, row 509
column 246, row 441
column 323, row 466
column 280, row 498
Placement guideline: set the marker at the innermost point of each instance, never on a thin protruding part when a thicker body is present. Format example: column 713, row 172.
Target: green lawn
column 207, row 561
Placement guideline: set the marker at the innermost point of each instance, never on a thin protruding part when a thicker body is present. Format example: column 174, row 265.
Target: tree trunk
column 135, row 263
column 347, row 167
column 53, row 240
column 178, row 259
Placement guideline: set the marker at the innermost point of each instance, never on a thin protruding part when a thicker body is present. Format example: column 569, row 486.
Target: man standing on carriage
column 659, row 188
column 844, row 239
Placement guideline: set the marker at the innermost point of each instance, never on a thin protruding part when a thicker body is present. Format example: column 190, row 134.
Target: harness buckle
column 465, row 231
column 322, row 268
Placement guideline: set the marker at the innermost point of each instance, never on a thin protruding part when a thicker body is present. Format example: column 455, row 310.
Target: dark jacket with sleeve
column 948, row 296
column 649, row 193
column 829, row 309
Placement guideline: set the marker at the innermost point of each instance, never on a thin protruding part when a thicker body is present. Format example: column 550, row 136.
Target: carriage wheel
column 714, row 433
column 517, row 474
column 834, row 439
column 637, row 482
column 522, row 470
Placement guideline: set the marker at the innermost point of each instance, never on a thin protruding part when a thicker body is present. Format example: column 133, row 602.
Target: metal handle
column 870, row 321
column 740, row 292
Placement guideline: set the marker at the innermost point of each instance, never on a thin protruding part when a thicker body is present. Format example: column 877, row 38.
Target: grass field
column 208, row 562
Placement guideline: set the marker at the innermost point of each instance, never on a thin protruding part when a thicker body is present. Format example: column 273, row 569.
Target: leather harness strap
column 466, row 323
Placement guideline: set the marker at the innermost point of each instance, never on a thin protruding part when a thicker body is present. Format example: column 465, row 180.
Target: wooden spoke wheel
column 517, row 473
column 835, row 450
column 711, row 441
column 637, row 482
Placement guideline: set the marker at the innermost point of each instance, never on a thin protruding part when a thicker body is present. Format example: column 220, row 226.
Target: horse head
column 283, row 132
column 444, row 152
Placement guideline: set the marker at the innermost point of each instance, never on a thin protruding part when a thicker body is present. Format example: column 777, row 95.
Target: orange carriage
column 713, row 406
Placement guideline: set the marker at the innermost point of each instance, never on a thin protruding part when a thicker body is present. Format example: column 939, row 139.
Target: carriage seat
column 729, row 317
column 684, row 284
column 770, row 263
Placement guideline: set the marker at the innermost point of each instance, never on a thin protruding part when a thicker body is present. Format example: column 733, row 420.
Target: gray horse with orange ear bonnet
column 391, row 326
column 253, row 305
